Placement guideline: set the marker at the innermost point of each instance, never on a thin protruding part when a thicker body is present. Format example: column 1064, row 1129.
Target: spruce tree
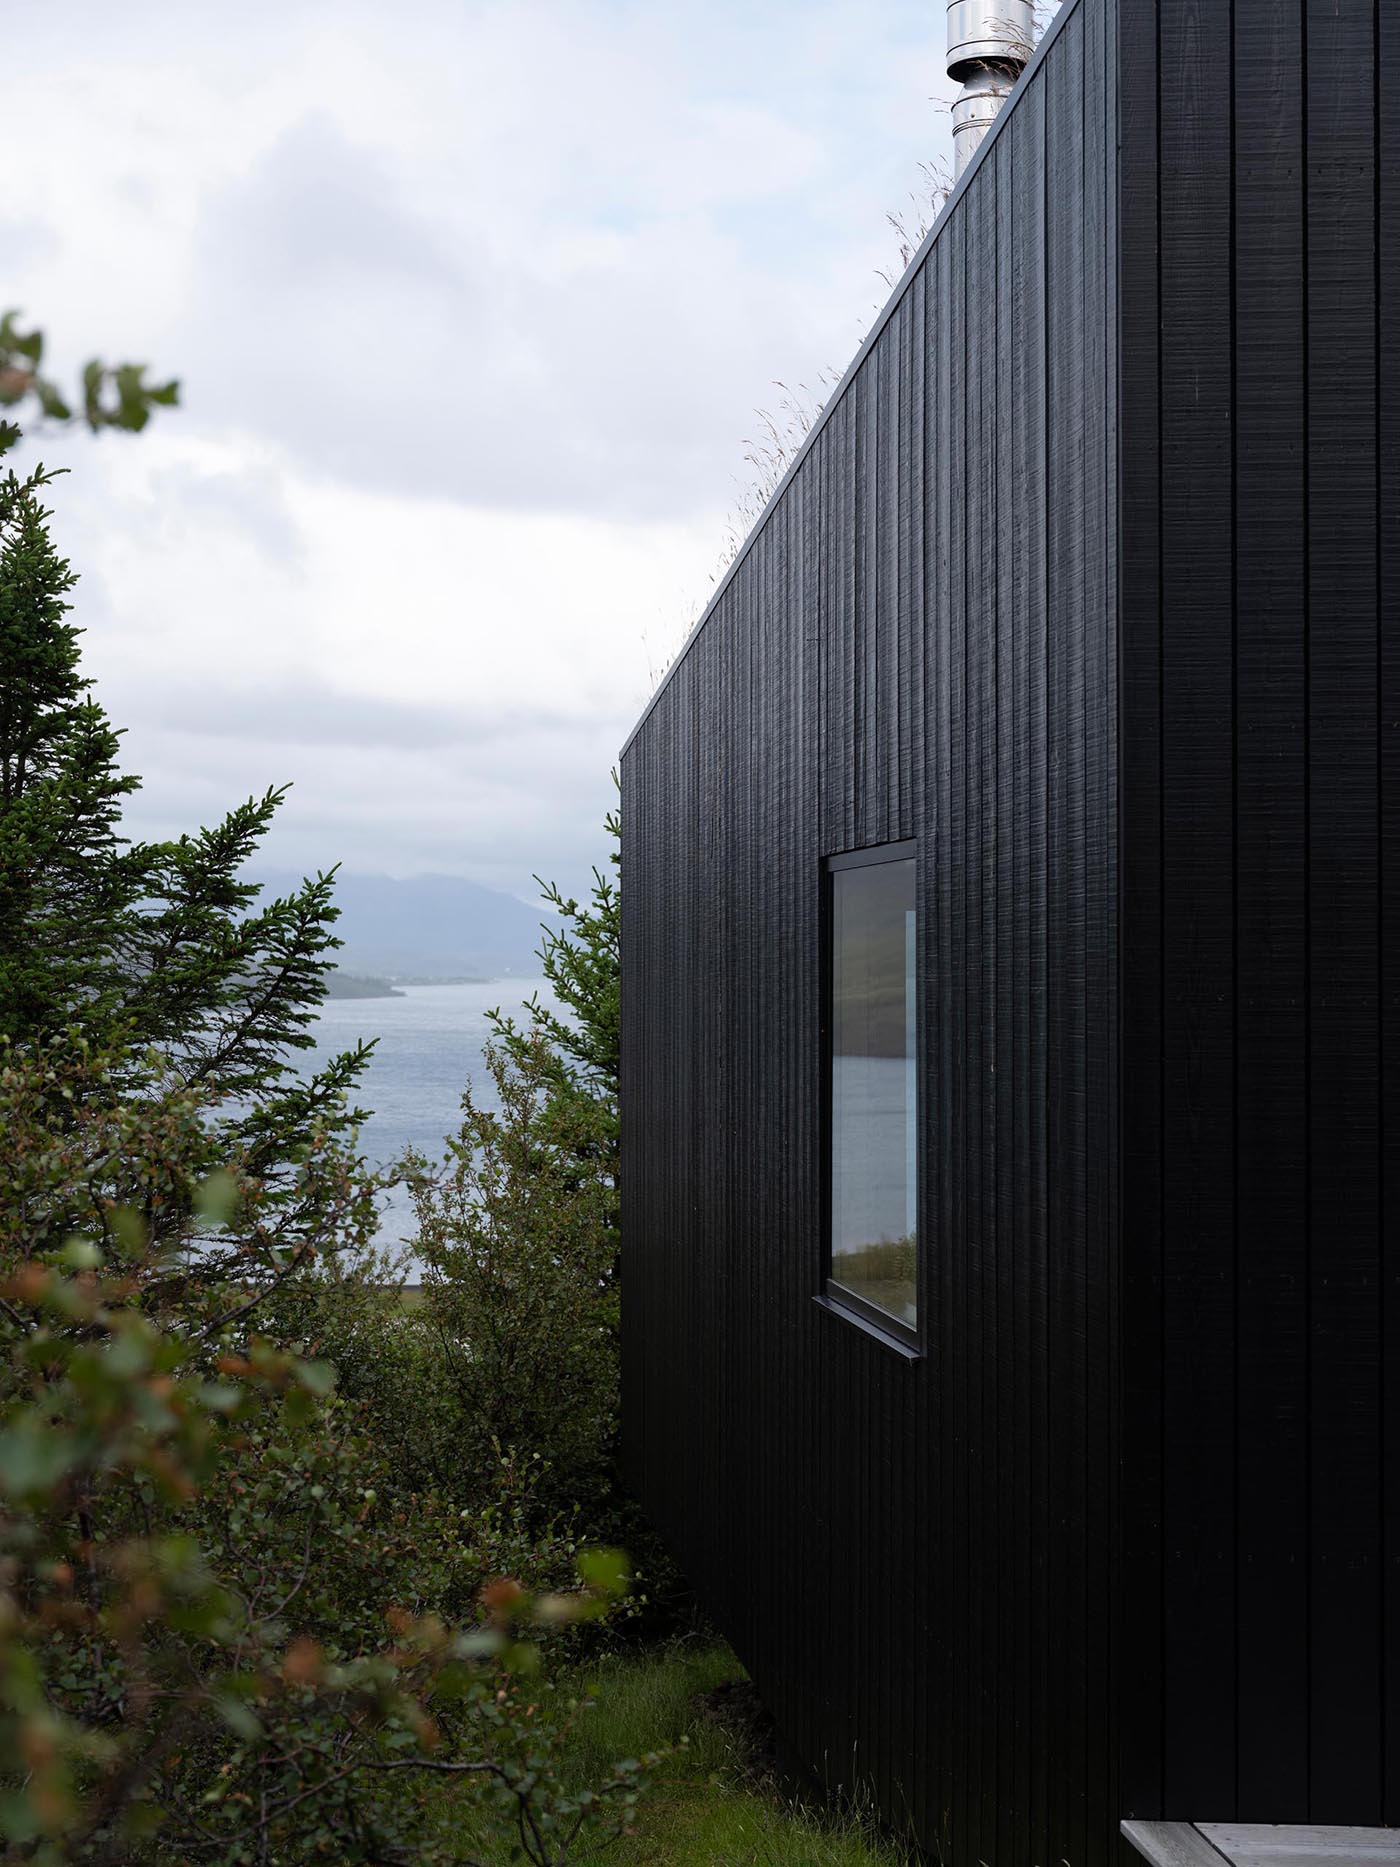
column 155, row 952
column 64, row 877
column 582, row 964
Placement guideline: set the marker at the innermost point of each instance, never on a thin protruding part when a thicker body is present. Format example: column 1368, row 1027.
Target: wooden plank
column 1198, row 941
column 1388, row 453
column 1037, row 1264
column 871, row 821
column 782, row 733
column 1140, row 932
column 903, row 567
column 957, row 878
column 1242, row 1844
column 941, row 1039
column 875, row 1686
column 1011, row 1477
column 1345, row 1361
column 865, row 793
column 1038, row 1272
column 1099, row 1318
column 1256, row 1845
column 924, row 1436
column 1068, row 1731
column 1027, row 837
column 1271, row 908
column 980, row 963
column 1172, row 1844
column 911, row 1659
column 1111, row 1031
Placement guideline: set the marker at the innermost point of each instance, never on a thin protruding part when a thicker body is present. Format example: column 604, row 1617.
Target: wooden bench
column 1251, row 1844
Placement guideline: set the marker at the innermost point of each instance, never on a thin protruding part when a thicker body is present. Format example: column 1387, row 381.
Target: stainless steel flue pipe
column 989, row 42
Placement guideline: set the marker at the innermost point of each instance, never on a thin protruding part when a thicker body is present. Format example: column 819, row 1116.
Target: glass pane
column 874, row 1117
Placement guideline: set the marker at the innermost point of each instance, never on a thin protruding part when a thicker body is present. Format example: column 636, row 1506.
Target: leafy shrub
column 225, row 1627
column 519, row 1294
column 572, row 1058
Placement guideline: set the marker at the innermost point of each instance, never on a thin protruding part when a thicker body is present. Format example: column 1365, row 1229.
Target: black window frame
column 834, row 1297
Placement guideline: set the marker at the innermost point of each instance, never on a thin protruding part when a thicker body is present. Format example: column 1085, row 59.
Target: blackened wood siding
column 917, row 1561
column 1089, row 584
column 1260, row 489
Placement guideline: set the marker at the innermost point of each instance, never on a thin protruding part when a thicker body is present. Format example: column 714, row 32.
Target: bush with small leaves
column 515, row 1236
column 228, row 1633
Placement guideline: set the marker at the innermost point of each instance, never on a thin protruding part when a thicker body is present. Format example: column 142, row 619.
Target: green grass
column 705, row 1807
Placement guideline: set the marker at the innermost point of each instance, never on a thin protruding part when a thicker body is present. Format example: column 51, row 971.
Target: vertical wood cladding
column 1260, row 270
column 1088, row 583
column 915, row 1560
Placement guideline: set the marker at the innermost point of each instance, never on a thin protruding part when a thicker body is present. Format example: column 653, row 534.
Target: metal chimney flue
column 989, row 42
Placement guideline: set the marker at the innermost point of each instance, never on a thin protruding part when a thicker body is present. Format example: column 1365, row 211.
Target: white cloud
column 447, row 686
column 473, row 304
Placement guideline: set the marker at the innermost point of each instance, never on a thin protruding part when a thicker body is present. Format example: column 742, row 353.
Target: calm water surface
column 429, row 1049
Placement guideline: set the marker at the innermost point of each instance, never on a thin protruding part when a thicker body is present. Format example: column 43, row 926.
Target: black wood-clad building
column 1012, row 1212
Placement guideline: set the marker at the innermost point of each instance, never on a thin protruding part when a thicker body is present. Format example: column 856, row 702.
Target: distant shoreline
column 356, row 985
column 359, row 985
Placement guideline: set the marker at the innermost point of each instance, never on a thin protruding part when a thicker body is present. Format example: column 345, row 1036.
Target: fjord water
column 429, row 1048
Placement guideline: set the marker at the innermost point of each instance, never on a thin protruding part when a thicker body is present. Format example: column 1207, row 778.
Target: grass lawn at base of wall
column 706, row 1807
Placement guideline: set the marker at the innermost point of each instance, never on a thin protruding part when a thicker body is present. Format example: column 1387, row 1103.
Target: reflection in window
column 873, row 1105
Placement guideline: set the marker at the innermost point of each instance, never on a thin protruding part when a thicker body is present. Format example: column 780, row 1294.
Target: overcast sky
column 472, row 305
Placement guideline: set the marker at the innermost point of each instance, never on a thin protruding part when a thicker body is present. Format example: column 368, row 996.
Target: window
column 873, row 1108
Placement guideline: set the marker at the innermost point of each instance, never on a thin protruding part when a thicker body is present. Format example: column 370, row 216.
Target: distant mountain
column 428, row 927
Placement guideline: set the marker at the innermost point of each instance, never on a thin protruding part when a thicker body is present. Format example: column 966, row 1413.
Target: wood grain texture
column 1198, row 1292
column 1029, row 783
column 1282, row 1845
column 1139, row 520
column 1257, row 501
column 1388, row 576
column 1087, row 583
column 1171, row 1844
column 1243, row 1844
column 1343, row 1007
column 1271, row 907
column 912, row 1559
